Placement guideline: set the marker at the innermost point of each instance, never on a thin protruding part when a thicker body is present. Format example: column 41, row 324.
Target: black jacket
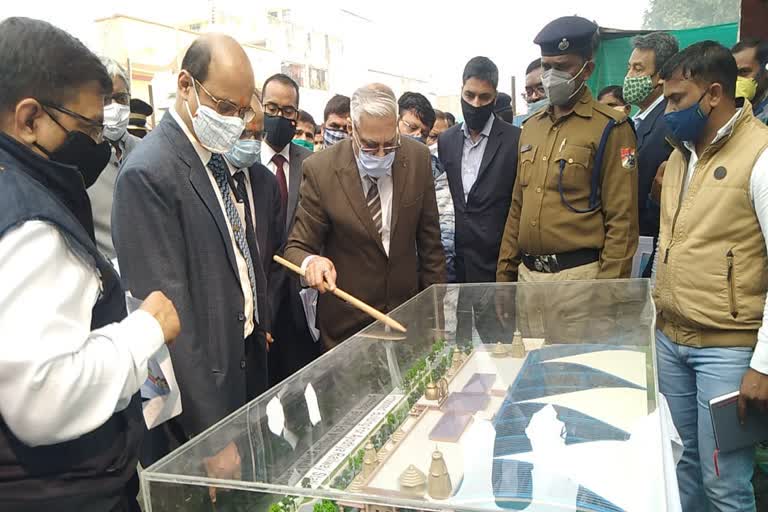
column 480, row 218
column 652, row 150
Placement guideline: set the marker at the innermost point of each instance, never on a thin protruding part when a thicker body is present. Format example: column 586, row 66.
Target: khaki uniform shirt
column 540, row 223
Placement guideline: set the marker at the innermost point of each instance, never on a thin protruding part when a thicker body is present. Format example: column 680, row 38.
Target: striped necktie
column 374, row 203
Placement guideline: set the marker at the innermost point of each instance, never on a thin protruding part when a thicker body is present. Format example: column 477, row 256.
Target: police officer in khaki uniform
column 574, row 205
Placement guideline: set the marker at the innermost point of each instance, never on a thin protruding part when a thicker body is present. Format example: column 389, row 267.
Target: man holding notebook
column 712, row 270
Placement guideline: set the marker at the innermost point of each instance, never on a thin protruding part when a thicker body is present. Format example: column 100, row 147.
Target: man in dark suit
column 642, row 87
column 480, row 159
column 182, row 224
column 368, row 205
column 294, row 345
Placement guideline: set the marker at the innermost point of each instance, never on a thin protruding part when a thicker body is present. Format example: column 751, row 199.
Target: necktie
column 250, row 232
column 220, row 170
column 374, row 202
column 280, row 161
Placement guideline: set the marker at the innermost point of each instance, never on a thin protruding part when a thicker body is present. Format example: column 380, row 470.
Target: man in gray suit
column 116, row 116
column 180, row 225
column 294, row 345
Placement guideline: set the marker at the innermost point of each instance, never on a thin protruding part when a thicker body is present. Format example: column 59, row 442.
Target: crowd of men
column 385, row 198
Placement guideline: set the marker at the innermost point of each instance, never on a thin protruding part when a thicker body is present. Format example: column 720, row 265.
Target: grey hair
column 116, row 70
column 376, row 100
column 664, row 47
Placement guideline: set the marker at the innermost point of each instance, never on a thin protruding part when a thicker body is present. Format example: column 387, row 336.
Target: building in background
column 327, row 53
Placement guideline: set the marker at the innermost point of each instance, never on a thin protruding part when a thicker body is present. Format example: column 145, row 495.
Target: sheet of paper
column 160, row 392
column 309, row 302
column 314, row 411
column 275, row 416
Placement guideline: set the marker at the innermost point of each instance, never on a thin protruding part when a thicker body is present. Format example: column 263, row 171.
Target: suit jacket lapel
column 400, row 177
column 646, row 125
column 294, row 183
column 198, row 177
column 261, row 213
column 349, row 177
column 457, row 154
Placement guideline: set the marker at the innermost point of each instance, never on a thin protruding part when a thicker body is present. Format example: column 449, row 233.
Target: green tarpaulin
column 614, row 51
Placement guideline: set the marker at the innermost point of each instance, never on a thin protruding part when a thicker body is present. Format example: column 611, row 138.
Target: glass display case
column 537, row 396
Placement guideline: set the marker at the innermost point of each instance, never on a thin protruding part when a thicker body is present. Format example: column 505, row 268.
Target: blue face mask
column 375, row 166
column 244, row 153
column 688, row 124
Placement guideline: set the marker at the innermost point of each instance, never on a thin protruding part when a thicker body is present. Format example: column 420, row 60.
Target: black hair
column 419, row 105
column 305, row 117
column 197, row 60
column 761, row 50
column 338, row 105
column 663, row 45
column 284, row 79
column 39, row 60
column 746, row 44
column 533, row 66
column 706, row 61
column 451, row 119
column 614, row 90
column 481, row 68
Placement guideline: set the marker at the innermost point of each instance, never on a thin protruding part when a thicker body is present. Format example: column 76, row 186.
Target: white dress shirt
column 472, row 155
column 58, row 379
column 267, row 153
column 758, row 191
column 242, row 266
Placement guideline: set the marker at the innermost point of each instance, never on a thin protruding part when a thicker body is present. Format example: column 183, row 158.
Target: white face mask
column 561, row 86
column 433, row 149
column 216, row 133
column 116, row 117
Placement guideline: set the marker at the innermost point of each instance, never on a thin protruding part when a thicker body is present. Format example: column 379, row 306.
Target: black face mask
column 476, row 117
column 279, row 131
column 81, row 151
column 417, row 138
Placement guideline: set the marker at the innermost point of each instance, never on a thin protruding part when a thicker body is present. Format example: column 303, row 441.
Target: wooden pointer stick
column 362, row 306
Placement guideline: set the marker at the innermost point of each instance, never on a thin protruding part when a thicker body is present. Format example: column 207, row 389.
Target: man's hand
column 225, row 465
column 163, row 310
column 270, row 340
column 321, row 274
column 753, row 392
column 656, row 185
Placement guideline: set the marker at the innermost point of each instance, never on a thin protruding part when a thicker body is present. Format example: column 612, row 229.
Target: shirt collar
column 583, row 106
column 204, row 154
column 486, row 131
column 721, row 133
column 267, row 153
column 640, row 116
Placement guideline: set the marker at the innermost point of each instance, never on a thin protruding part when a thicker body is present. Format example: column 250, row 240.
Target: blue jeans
column 689, row 377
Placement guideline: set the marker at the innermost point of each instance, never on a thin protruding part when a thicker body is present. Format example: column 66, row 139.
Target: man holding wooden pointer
column 368, row 206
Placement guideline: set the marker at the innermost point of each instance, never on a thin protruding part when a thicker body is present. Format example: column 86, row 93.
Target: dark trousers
column 294, row 347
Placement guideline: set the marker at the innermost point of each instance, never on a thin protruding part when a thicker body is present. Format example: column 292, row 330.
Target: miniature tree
column 325, row 506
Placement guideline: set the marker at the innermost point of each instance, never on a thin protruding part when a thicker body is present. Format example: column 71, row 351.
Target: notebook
column 731, row 435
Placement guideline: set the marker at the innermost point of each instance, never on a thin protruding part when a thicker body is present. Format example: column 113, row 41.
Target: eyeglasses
column 374, row 148
column 228, row 108
column 413, row 129
column 274, row 110
column 530, row 91
column 250, row 134
column 94, row 130
column 123, row 98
